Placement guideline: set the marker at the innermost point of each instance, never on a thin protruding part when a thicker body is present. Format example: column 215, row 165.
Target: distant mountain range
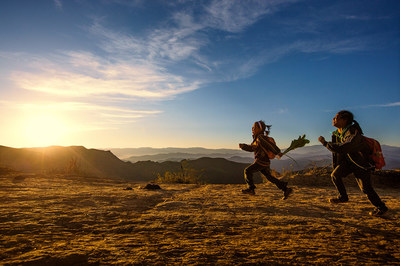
column 305, row 157
column 126, row 153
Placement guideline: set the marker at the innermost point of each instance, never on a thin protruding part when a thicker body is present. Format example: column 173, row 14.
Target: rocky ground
column 53, row 220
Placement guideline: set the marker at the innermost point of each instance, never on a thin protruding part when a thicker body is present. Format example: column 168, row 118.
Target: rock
column 151, row 187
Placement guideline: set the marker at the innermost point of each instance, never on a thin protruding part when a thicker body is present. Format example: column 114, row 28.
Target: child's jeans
column 363, row 179
column 265, row 171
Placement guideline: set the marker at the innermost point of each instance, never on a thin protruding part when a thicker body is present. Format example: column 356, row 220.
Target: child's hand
column 321, row 139
column 241, row 145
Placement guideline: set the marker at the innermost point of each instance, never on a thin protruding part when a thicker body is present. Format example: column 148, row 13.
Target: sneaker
column 248, row 191
column 287, row 193
column 379, row 212
column 339, row 200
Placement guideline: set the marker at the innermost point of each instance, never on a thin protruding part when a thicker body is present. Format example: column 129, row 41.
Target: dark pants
column 363, row 178
column 266, row 171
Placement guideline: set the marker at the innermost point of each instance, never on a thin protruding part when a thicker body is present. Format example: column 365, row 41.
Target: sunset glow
column 44, row 130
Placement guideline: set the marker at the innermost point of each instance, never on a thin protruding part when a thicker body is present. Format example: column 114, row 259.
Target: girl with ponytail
column 350, row 155
column 264, row 149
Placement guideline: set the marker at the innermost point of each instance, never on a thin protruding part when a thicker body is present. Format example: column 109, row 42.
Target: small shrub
column 73, row 166
column 287, row 172
column 185, row 176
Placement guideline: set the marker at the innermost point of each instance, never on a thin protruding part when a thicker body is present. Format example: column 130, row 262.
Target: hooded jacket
column 349, row 146
column 259, row 146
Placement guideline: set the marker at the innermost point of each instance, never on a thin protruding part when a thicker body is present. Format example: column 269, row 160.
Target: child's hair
column 349, row 117
column 263, row 126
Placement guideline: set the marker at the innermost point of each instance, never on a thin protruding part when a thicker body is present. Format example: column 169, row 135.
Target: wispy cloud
column 58, row 4
column 184, row 39
column 82, row 74
column 282, row 111
column 73, row 106
column 394, row 104
column 235, row 16
column 96, row 116
column 384, row 105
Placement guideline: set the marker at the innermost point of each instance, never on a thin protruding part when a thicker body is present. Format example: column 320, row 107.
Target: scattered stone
column 151, row 187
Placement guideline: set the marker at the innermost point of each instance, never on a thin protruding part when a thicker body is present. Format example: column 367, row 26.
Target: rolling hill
column 72, row 160
column 91, row 162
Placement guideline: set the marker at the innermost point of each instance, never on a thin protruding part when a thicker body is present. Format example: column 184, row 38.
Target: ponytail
column 267, row 131
column 355, row 123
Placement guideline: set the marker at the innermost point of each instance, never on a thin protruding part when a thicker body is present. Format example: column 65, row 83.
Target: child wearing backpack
column 350, row 154
column 264, row 149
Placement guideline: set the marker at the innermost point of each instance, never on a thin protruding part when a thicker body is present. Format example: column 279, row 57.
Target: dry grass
column 75, row 221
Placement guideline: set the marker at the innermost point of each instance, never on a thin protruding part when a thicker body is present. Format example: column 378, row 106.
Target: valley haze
column 308, row 156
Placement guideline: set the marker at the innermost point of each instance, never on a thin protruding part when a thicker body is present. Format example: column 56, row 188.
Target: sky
column 153, row 73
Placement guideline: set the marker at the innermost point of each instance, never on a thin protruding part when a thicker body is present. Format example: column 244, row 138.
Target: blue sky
column 120, row 73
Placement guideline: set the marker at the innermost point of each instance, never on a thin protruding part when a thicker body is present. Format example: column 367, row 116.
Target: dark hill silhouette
column 148, row 170
column 99, row 163
column 220, row 171
column 73, row 160
column 178, row 156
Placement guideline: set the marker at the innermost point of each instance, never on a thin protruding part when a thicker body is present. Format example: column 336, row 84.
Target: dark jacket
column 260, row 146
column 349, row 147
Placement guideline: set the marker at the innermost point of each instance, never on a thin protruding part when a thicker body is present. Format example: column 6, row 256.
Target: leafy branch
column 297, row 143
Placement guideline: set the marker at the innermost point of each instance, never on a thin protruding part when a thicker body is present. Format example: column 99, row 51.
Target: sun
column 44, row 130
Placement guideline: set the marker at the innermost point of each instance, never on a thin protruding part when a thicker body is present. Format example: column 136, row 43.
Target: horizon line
column 144, row 147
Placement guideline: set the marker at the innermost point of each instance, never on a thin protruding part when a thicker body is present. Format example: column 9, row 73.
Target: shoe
column 287, row 193
column 339, row 200
column 249, row 191
column 379, row 212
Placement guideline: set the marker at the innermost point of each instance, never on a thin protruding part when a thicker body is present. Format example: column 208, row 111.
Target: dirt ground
column 81, row 221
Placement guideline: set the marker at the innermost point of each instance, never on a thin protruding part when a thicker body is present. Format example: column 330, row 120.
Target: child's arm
column 352, row 143
column 246, row 147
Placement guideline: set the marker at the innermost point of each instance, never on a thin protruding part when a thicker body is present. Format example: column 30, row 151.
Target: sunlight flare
column 44, row 130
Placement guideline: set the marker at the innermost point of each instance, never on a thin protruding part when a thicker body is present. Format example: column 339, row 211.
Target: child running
column 262, row 145
column 350, row 153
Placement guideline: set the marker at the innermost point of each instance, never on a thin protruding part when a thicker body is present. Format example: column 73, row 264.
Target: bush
column 185, row 176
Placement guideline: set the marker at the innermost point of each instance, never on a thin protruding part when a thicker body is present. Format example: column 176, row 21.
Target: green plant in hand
column 297, row 143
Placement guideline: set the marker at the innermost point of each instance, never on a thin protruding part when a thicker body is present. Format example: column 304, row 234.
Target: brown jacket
column 259, row 146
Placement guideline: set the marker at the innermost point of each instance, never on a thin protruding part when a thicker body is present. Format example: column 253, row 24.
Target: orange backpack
column 376, row 155
column 269, row 153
